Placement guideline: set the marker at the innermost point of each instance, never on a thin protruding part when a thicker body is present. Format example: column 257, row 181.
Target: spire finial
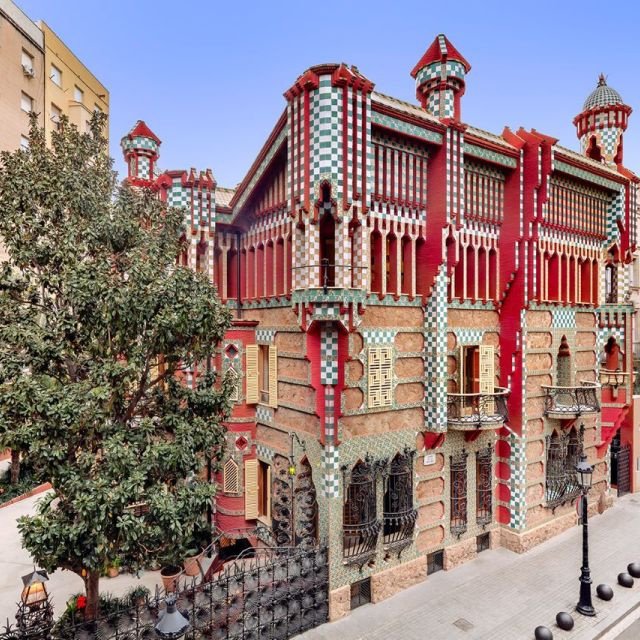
column 602, row 80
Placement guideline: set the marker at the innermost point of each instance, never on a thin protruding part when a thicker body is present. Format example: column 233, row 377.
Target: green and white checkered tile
column 329, row 355
column 264, row 415
column 265, row 336
column 264, row 453
column 374, row 337
column 563, row 318
column 469, row 336
column 330, row 481
column 518, row 482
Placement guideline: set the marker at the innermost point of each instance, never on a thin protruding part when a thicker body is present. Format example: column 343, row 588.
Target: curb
column 35, row 491
column 617, row 623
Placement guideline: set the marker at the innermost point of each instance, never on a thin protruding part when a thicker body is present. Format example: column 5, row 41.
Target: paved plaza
column 504, row 596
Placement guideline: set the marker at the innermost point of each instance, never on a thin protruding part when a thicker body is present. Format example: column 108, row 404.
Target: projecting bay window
column 563, row 453
column 458, row 493
column 360, row 524
column 399, row 516
column 262, row 374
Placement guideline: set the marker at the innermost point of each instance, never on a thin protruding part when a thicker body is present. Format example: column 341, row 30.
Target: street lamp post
column 584, row 476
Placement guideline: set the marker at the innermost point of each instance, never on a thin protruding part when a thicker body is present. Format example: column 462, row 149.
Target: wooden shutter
column 273, row 376
column 380, row 377
column 231, row 477
column 250, row 489
column 487, row 373
column 253, row 392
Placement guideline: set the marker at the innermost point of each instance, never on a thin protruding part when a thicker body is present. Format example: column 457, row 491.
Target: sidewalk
column 505, row 596
column 16, row 562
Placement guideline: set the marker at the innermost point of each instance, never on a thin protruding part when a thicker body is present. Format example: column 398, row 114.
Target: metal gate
column 623, row 460
column 273, row 595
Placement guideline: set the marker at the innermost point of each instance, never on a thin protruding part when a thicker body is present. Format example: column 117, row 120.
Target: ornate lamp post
column 35, row 615
column 584, row 477
column 172, row 625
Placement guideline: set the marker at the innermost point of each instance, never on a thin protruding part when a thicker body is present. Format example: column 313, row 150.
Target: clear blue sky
column 208, row 76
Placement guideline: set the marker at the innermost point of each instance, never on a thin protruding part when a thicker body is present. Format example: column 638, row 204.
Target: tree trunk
column 15, row 466
column 91, row 584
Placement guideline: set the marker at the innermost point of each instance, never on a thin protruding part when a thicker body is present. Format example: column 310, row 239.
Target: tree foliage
column 97, row 324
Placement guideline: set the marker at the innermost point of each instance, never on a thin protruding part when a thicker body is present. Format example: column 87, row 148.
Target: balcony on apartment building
column 477, row 411
column 571, row 402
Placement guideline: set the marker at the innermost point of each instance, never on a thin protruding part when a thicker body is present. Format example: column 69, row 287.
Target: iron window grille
column 360, row 524
column 484, row 486
column 399, row 516
column 360, row 593
column 563, row 453
column 458, row 470
column 435, row 562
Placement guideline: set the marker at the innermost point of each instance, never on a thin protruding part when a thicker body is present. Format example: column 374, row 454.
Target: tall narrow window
column 484, row 486
column 399, row 515
column 231, row 477
column 27, row 64
column 264, row 491
column 327, row 251
column 376, row 262
column 78, row 94
column 611, row 283
column 232, row 274
column 26, row 102
column 269, row 270
column 380, row 377
column 563, row 453
column 392, row 263
column 563, row 364
column 458, row 494
column 360, row 524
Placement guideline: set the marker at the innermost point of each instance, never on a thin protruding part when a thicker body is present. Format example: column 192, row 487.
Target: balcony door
column 470, row 374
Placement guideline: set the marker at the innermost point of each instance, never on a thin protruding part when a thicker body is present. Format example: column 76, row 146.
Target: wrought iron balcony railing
column 359, row 540
column 399, row 527
column 568, row 402
column 470, row 411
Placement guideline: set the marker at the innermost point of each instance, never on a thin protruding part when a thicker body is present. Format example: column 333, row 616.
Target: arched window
column 563, row 364
column 399, row 515
column 611, row 283
column 327, row 250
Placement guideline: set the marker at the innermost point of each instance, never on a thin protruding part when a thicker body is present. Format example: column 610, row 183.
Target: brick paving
column 503, row 596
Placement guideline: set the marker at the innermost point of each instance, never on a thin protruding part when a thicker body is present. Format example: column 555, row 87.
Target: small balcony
column 571, row 402
column 477, row 411
column 613, row 382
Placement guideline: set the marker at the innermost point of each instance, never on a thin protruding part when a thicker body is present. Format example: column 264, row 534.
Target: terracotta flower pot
column 170, row 576
column 191, row 567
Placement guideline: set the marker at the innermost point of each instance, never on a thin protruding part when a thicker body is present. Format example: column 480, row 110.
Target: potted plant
column 137, row 595
column 194, row 552
column 113, row 567
column 170, row 575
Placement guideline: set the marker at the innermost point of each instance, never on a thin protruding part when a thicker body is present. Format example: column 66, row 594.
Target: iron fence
column 272, row 595
column 571, row 401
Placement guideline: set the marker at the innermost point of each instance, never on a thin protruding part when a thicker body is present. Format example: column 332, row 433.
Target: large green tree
column 97, row 322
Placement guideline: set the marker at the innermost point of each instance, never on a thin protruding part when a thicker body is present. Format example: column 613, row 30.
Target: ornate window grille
column 399, row 516
column 360, row 524
column 484, row 486
column 563, row 453
column 231, row 477
column 458, row 470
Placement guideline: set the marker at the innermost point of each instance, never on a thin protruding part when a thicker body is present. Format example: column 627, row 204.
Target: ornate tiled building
column 432, row 322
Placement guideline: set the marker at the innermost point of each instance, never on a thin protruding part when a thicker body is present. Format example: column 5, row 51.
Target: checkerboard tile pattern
column 563, row 318
column 373, row 337
column 265, row 336
column 264, row 453
column 329, row 355
column 435, row 335
column 330, row 482
column 264, row 415
column 468, row 336
column 518, row 482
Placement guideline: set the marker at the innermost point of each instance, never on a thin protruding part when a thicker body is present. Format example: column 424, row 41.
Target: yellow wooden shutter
column 380, row 377
column 253, row 394
column 487, row 373
column 273, row 376
column 250, row 489
column 231, row 477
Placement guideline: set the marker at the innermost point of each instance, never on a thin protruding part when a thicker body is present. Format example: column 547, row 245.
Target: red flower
column 81, row 602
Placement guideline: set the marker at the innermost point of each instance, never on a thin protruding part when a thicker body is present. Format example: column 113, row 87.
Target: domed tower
column 440, row 79
column 601, row 124
column 141, row 151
